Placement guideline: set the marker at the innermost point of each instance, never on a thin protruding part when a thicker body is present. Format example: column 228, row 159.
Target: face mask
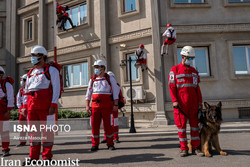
column 188, row 62
column 97, row 71
column 21, row 83
column 35, row 60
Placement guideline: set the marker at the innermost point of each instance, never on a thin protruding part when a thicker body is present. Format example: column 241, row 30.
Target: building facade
column 113, row 29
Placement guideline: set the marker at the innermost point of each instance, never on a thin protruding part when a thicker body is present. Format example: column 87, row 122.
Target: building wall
column 110, row 34
column 2, row 32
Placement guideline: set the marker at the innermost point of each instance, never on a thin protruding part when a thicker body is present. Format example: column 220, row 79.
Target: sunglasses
column 189, row 58
column 1, row 72
column 98, row 66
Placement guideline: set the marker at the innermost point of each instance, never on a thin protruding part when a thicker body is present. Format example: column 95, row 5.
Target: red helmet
column 169, row 25
column 141, row 46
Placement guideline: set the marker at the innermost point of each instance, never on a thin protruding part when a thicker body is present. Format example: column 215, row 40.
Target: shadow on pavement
column 238, row 152
column 157, row 146
column 152, row 140
column 72, row 151
column 128, row 159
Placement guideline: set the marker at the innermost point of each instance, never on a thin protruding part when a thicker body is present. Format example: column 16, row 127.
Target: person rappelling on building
column 22, row 115
column 63, row 16
column 6, row 105
column 141, row 57
column 170, row 33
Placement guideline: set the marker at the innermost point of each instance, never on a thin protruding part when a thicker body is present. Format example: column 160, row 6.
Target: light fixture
column 123, row 45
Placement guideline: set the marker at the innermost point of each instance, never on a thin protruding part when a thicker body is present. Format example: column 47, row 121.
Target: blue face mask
column 97, row 71
column 35, row 60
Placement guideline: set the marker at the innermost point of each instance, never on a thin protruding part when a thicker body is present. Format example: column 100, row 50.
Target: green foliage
column 62, row 114
column 14, row 115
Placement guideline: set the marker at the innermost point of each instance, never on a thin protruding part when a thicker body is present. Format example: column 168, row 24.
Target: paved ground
column 156, row 146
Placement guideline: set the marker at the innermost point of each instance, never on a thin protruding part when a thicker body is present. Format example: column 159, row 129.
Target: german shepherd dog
column 211, row 121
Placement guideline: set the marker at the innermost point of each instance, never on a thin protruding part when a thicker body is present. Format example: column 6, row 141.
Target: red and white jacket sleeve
column 89, row 91
column 19, row 100
column 10, row 95
column 55, row 82
column 172, row 85
column 199, row 91
column 115, row 88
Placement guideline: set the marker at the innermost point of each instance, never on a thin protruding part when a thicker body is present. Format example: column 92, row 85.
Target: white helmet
column 188, row 51
column 110, row 73
column 99, row 63
column 39, row 49
column 24, row 76
column 1, row 69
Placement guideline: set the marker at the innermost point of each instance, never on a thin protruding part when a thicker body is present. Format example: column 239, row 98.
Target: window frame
column 79, row 14
column 123, row 70
column 247, row 59
column 189, row 1
column 127, row 68
column 235, row 4
column 205, row 4
column 206, row 48
column 211, row 55
column 72, row 76
column 73, row 4
column 121, row 9
column 25, row 27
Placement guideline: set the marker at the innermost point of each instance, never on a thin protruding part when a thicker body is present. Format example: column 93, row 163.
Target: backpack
column 47, row 74
column 4, row 81
column 121, row 101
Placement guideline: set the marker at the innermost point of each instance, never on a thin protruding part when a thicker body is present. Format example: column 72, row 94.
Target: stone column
column 11, row 18
column 41, row 23
column 160, row 116
column 104, row 48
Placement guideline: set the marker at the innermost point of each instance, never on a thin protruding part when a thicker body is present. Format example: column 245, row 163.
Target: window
column 78, row 15
column 75, row 75
column 134, row 70
column 129, row 5
column 29, row 29
column 241, row 59
column 201, row 61
column 188, row 1
column 238, row 0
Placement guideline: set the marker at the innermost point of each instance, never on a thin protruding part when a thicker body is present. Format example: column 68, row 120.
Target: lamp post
column 124, row 64
column 132, row 124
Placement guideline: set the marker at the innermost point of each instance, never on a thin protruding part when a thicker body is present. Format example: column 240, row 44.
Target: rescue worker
column 63, row 16
column 41, row 99
column 141, row 57
column 104, row 92
column 170, row 33
column 22, row 115
column 115, row 119
column 6, row 105
column 187, row 99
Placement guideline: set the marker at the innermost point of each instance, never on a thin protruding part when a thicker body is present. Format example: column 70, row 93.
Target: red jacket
column 184, row 85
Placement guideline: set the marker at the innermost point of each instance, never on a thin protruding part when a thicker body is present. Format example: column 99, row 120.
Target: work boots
column 183, row 153
column 197, row 152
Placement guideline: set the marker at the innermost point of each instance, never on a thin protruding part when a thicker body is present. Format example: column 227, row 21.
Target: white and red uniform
column 102, row 95
column 141, row 56
column 41, row 94
column 22, row 119
column 115, row 122
column 170, row 33
column 184, row 89
column 6, row 104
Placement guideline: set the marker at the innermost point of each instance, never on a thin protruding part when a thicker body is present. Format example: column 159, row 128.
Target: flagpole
column 55, row 53
column 55, row 32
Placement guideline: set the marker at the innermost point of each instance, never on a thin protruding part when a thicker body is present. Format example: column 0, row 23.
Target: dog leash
column 178, row 107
